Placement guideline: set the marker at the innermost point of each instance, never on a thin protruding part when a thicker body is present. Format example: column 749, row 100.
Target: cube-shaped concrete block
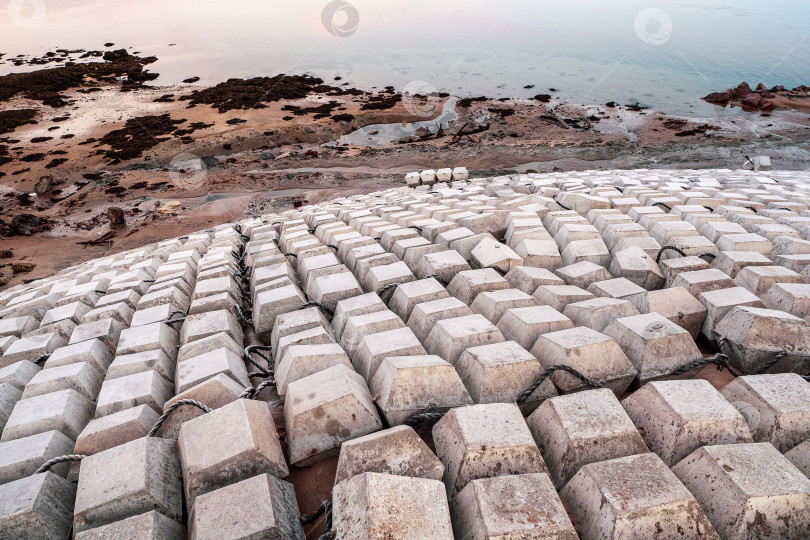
column 216, row 341
column 31, row 348
column 408, row 295
column 758, row 279
column 129, row 364
column 253, row 447
column 677, row 417
column 748, row 490
column 300, row 361
column 259, row 507
column 791, row 297
column 146, row 388
column 374, row 348
column 269, row 304
column 17, row 326
column 202, row 325
column 106, row 330
column 358, row 305
column 483, row 441
column 82, row 377
column 700, row 281
column 445, row 264
column 67, row 411
column 468, row 284
column 528, row 278
column 150, row 481
column 756, row 335
column 148, row 338
column 525, row 325
column 407, row 385
column 373, row 505
column 598, row 313
column 449, row 338
column 215, row 392
column 655, row 345
column 582, row 274
column 492, row 253
column 493, row 304
column 37, row 507
column 115, row 429
column 501, row 372
column 800, row 457
column 634, row 497
column 398, row 450
column 594, row 251
column 620, row 288
column 151, row 525
column 19, row 373
column 195, row 370
column 361, row 326
column 22, row 457
column 592, row 353
column 559, row 296
column 776, row 407
column 497, row 508
column 582, row 428
column 325, row 409
column 121, row 312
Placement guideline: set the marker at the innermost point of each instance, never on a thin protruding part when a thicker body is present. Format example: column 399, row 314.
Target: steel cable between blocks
column 256, row 349
column 174, row 406
column 58, row 460
column 312, row 303
column 522, row 398
column 253, row 393
column 309, row 519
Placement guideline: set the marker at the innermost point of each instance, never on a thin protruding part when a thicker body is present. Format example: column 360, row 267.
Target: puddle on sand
column 386, row 134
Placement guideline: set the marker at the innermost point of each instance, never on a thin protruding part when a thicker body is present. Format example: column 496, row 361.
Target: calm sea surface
column 665, row 54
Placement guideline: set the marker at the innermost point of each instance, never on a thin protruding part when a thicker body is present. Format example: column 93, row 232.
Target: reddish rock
column 766, row 105
column 116, row 217
column 761, row 88
column 719, row 97
column 752, row 100
column 742, row 90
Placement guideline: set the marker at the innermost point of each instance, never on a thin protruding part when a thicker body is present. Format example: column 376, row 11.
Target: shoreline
column 107, row 148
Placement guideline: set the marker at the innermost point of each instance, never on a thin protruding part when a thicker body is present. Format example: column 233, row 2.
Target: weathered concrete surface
column 451, row 337
column 598, row 313
column 425, row 316
column 582, row 428
column 37, row 507
column 66, row 411
column 214, row 392
column 115, row 429
column 748, row 491
column 398, row 450
column 145, row 388
column 22, row 457
column 525, row 325
column 149, row 526
column 373, row 505
column 634, row 497
column 800, row 457
column 482, row 441
column 677, row 417
column 259, row 507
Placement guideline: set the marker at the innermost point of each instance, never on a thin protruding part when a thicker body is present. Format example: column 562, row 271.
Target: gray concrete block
column 22, row 457
column 748, row 490
column 82, row 377
column 215, row 392
column 493, row 304
column 259, row 507
column 593, row 354
column 377, row 277
column 129, row 364
column 677, row 417
column 398, row 398
column 92, row 351
column 150, row 481
column 121, row 312
column 373, row 348
column 582, row 428
column 31, row 348
column 325, row 409
column 207, row 324
column 398, row 451
column 149, row 526
column 115, row 429
column 468, row 284
column 269, row 304
column 146, row 388
column 18, row 326
column 66, row 411
column 674, row 304
column 314, row 336
column 524, row 325
column 793, row 298
column 731, row 262
column 758, row 279
column 5, row 343
column 373, row 505
column 37, row 507
column 408, row 295
column 800, row 457
column 634, row 497
column 253, row 448
column 350, row 307
column 149, row 337
column 559, row 296
column 776, row 407
column 582, row 274
column 597, row 313
column 527, row 278
column 300, row 361
column 73, row 312
column 497, row 508
column 483, row 441
column 700, row 281
column 193, row 371
column 451, row 337
column 19, row 373
column 216, row 341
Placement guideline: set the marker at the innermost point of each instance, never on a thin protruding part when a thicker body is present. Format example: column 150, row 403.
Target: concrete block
column 214, row 392
column 363, row 325
column 195, row 370
column 397, row 451
column 149, row 337
column 253, row 448
column 373, row 505
column 650, row 245
column 674, row 304
column 593, row 354
column 468, row 284
column 331, row 289
column 150, row 481
column 755, row 335
column 445, row 264
column 115, row 429
column 83, row 377
column 37, row 507
column 748, row 490
column 493, row 304
column 92, row 351
column 655, row 345
column 484, row 441
column 594, row 251
column 121, row 312
column 597, row 313
column 216, row 341
column 465, row 245
column 527, row 278
column 398, row 397
column 66, row 411
column 73, row 312
column 22, row 457
column 5, row 343
column 451, row 337
column 259, row 507
column 745, row 242
column 424, row 316
column 758, row 279
column 63, row 329
column 146, row 388
column 582, row 428
column 637, row 266
column 489, row 252
column 378, row 277
column 678, row 417
column 350, row 307
column 374, row 348
column 31, row 348
column 156, row 314
column 582, row 274
column 800, row 457
column 173, row 296
column 129, row 364
column 634, row 497
column 325, row 409
column 314, row 336
column 107, row 331
column 496, row 508
column 776, row 407
column 408, row 295
column 149, row 526
column 672, row 267
column 559, row 296
column 207, row 324
column 19, row 373
column 700, row 281
column 297, row 321
column 500, row 373
column 791, row 297
column 524, row 325
column 270, row 304
column 618, row 288
column 300, row 361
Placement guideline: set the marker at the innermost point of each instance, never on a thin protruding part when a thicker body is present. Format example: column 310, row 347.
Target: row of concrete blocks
column 429, row 177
